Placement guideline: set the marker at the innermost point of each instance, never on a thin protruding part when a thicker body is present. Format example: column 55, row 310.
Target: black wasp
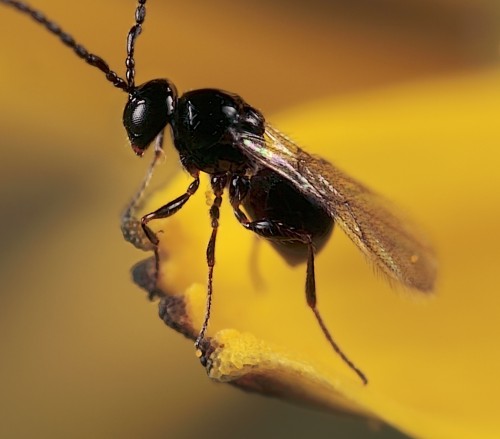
column 276, row 189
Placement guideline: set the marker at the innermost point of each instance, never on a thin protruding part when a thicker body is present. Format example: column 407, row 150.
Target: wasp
column 276, row 189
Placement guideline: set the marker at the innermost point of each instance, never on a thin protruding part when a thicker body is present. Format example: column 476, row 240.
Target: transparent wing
column 392, row 242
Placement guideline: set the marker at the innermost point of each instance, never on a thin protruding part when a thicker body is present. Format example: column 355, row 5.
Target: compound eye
column 147, row 112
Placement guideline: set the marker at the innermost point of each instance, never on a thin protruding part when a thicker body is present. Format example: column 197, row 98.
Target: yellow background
column 83, row 353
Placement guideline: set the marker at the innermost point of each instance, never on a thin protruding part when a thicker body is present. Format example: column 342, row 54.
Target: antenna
column 82, row 52
column 135, row 31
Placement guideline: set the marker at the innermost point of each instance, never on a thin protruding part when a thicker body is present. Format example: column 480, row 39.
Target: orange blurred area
column 82, row 352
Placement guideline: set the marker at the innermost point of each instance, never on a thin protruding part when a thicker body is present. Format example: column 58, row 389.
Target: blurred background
column 82, row 352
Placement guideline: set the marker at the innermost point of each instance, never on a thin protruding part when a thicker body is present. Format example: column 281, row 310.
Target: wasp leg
column 218, row 183
column 164, row 212
column 130, row 224
column 279, row 231
column 312, row 302
column 169, row 209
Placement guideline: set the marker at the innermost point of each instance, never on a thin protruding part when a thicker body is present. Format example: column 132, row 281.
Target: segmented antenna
column 82, row 52
column 135, row 31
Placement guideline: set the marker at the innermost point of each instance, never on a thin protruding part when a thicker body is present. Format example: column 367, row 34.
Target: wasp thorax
column 207, row 117
column 207, row 129
column 148, row 110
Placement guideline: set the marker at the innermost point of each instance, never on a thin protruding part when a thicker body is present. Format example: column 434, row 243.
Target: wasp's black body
column 276, row 189
column 208, row 128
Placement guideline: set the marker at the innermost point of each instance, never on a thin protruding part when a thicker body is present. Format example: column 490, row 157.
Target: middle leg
column 218, row 183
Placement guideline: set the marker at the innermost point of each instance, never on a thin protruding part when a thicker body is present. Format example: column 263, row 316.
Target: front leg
column 169, row 208
column 164, row 212
column 130, row 225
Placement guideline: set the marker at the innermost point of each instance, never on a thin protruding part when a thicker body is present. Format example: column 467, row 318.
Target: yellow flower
column 433, row 148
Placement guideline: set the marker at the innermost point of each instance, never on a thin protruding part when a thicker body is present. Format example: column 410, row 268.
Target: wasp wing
column 392, row 242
